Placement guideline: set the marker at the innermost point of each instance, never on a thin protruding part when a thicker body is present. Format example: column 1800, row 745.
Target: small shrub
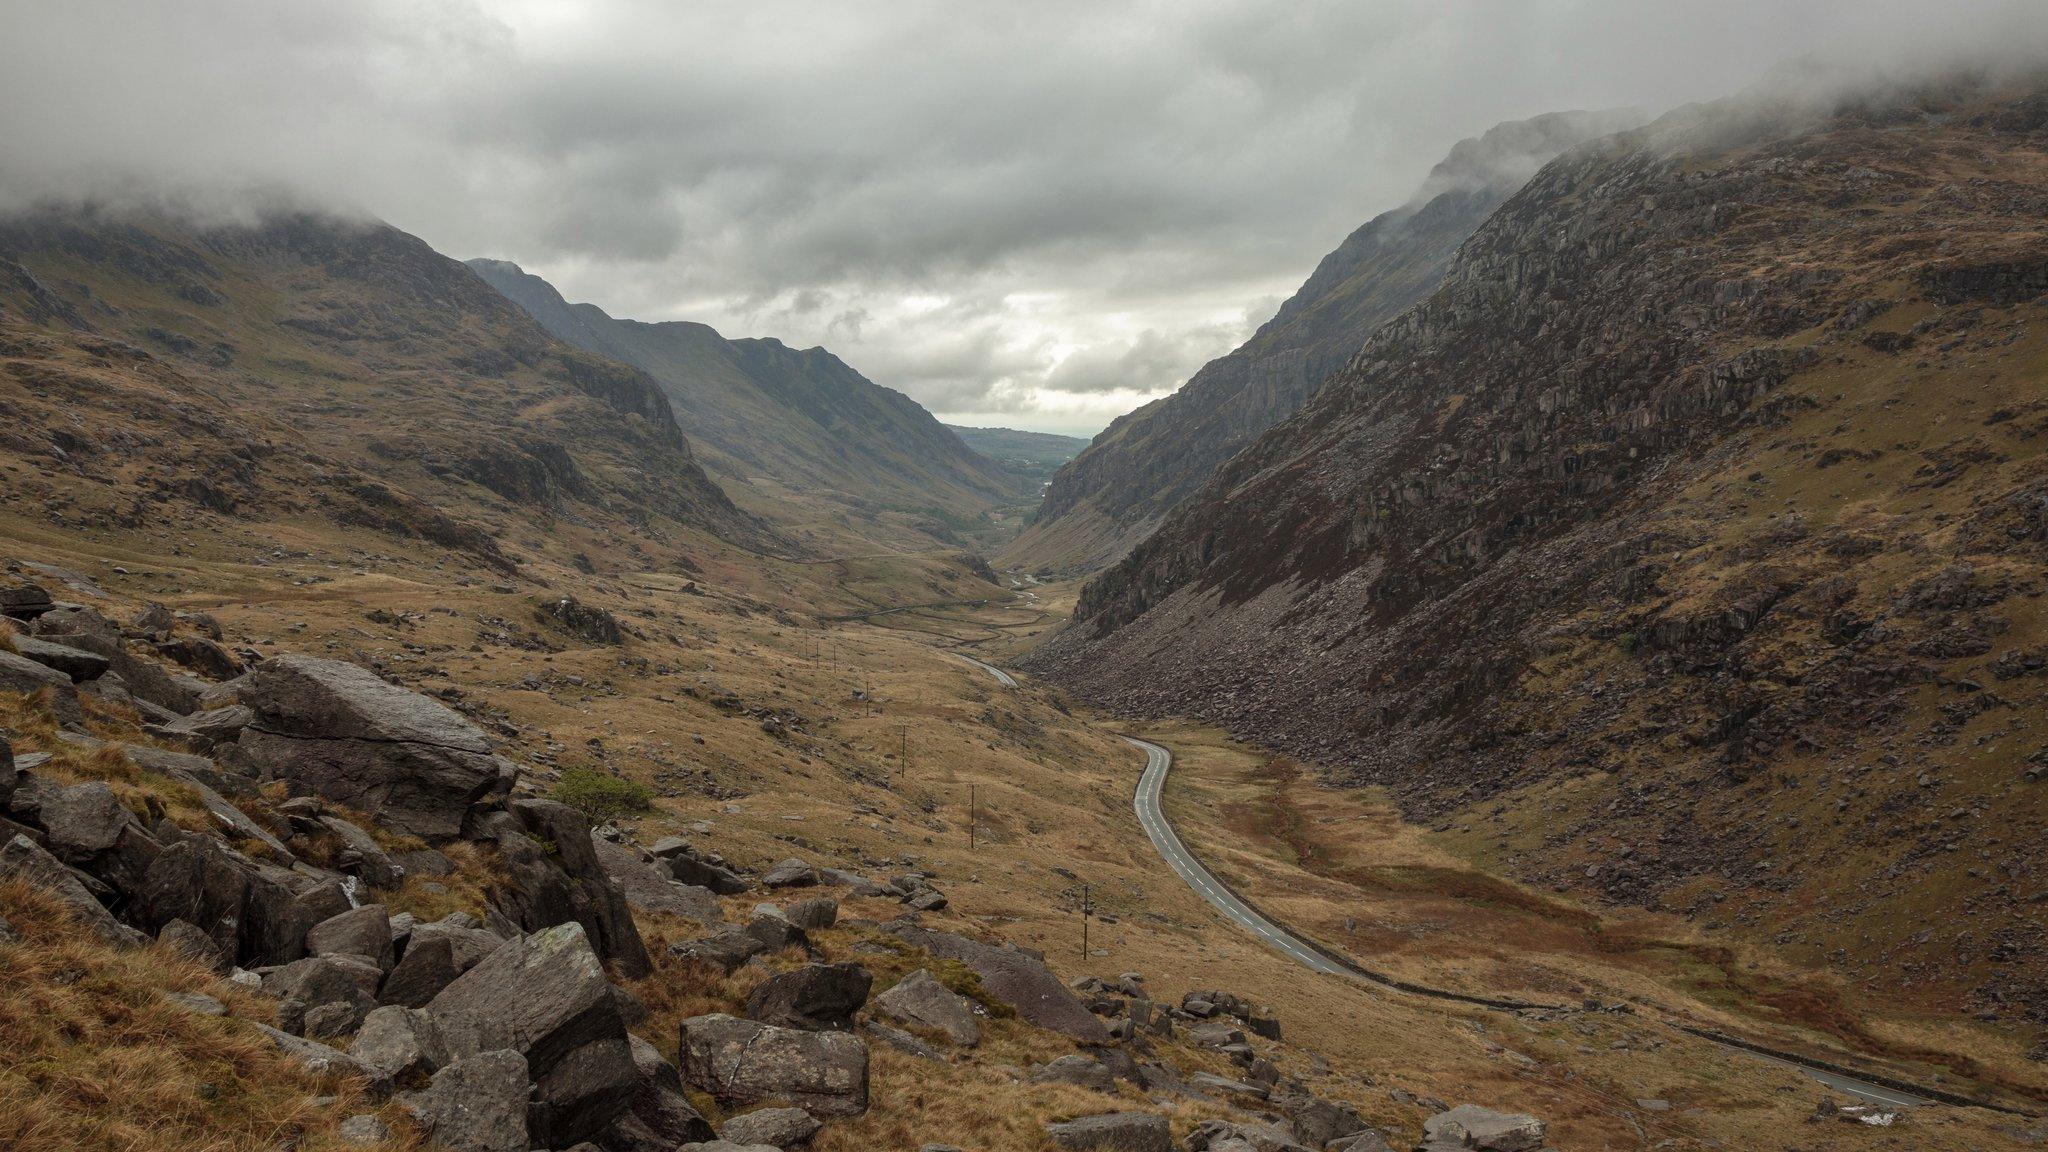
column 601, row 797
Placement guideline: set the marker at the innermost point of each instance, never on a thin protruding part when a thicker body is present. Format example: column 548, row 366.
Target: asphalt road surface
column 1152, row 816
column 1007, row 680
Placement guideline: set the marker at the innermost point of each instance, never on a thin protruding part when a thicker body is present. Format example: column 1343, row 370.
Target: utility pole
column 903, row 751
column 970, row 817
column 1086, row 910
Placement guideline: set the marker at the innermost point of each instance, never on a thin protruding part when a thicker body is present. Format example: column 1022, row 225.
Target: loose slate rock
column 19, row 674
column 815, row 997
column 816, row 912
column 921, row 1000
column 427, row 967
column 401, row 1043
column 648, row 885
column 746, row 1062
column 1113, row 1132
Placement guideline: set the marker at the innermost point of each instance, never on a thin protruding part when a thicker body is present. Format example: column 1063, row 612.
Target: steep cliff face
column 783, row 420
column 1114, row 493
column 310, row 364
column 1685, row 546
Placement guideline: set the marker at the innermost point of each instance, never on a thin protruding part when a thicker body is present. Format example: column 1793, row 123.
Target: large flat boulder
column 252, row 917
column 920, row 999
column 545, row 997
column 1016, row 978
column 1113, row 1132
column 743, row 1062
column 1473, row 1127
column 76, row 663
column 334, row 729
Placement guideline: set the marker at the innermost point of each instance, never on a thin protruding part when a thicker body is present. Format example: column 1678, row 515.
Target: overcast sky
column 1036, row 213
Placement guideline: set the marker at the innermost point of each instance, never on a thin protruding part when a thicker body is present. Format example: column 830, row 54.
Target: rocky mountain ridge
column 318, row 364
column 1117, row 490
column 801, row 419
column 1682, row 547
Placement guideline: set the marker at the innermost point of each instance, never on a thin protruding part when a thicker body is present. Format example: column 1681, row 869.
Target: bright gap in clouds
column 1028, row 215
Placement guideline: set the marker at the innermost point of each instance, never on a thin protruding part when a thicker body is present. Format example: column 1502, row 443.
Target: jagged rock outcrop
column 1117, row 490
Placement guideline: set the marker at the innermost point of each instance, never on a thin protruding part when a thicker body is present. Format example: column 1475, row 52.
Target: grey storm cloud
column 1049, row 211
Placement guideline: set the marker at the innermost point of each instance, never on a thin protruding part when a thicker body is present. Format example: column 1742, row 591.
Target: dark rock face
column 427, row 967
column 545, row 997
column 1018, row 979
column 815, row 997
column 745, row 1062
column 1119, row 488
column 1524, row 533
column 22, row 859
column 76, row 663
column 336, row 730
column 249, row 915
column 477, row 1104
column 541, row 890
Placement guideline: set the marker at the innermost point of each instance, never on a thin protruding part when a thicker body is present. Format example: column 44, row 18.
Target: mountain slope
column 1684, row 547
column 1035, row 456
column 1146, row 462
column 782, row 420
column 340, row 368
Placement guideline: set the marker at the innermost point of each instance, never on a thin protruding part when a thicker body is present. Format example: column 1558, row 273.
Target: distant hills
column 792, row 432
column 1114, row 493
column 311, row 370
column 1033, row 455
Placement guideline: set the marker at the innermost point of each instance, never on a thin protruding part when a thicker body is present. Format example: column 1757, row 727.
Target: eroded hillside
column 1684, row 547
column 1134, row 473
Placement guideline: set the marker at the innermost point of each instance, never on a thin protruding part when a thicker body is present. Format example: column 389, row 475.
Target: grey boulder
column 747, row 1062
column 363, row 932
column 1016, row 978
column 476, row 1104
column 75, row 663
column 402, row 1044
column 774, row 1127
column 1113, row 1132
column 1077, row 1070
column 545, row 996
column 919, row 999
column 815, row 997
column 334, row 729
column 1470, row 1126
column 19, row 674
column 790, row 873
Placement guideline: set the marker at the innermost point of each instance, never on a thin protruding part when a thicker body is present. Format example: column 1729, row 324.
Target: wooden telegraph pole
column 970, row 817
column 1087, row 909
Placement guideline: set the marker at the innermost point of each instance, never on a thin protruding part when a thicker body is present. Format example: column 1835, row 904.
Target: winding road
column 1147, row 802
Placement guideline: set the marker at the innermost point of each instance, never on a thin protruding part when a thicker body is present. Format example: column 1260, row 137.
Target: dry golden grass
column 94, row 1057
